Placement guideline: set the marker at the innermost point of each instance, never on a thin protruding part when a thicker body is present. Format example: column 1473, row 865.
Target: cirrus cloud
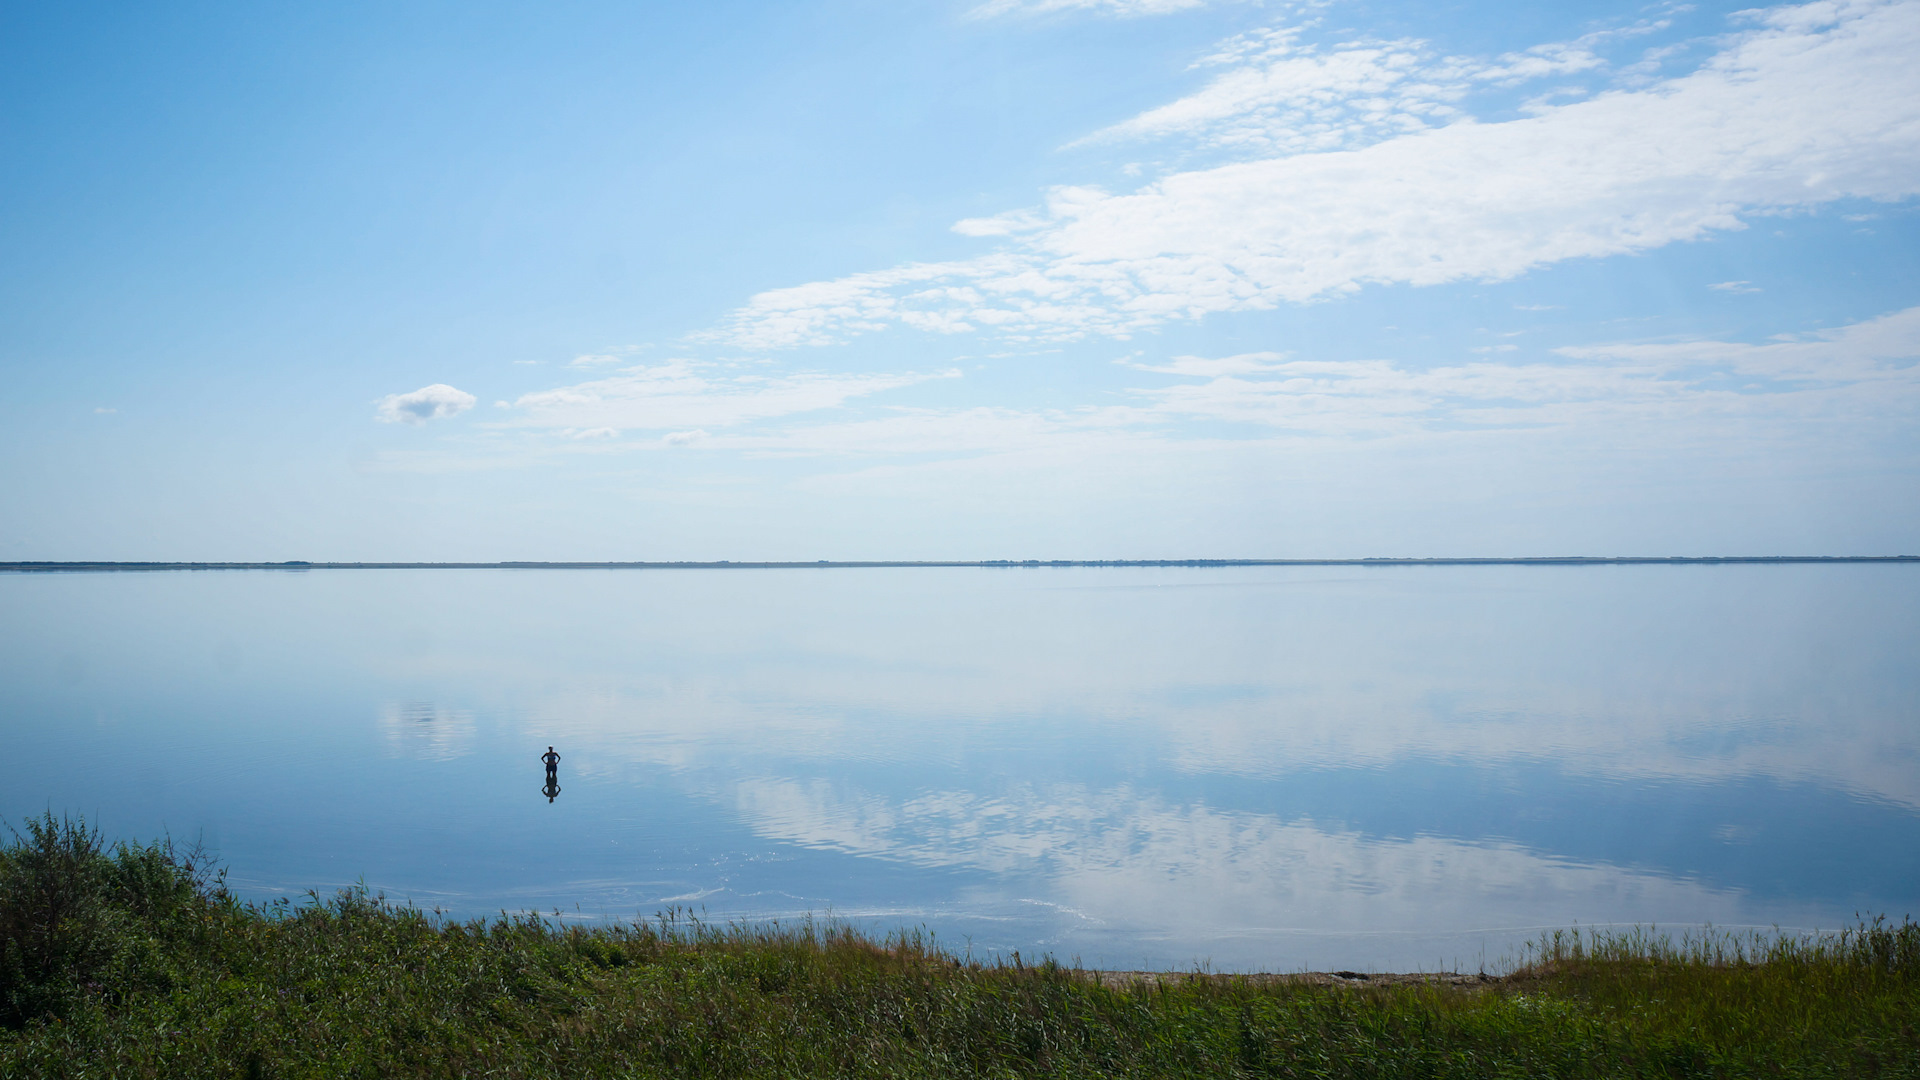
column 1278, row 95
column 1809, row 105
column 993, row 8
column 1866, row 374
column 686, row 396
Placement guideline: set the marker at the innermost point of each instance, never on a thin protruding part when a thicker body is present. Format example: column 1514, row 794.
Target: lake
column 1254, row 768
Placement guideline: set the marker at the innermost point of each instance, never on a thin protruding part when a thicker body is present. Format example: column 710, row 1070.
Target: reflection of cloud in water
column 1129, row 862
column 1291, row 756
column 421, row 729
column 1695, row 674
column 1596, row 736
column 1268, row 732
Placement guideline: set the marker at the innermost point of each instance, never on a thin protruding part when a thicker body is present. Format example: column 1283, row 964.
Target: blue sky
column 1023, row 278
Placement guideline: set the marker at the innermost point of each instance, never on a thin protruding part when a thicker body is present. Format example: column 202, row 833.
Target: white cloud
column 427, row 403
column 684, row 394
column 1865, row 369
column 1292, row 98
column 1734, row 286
column 1007, row 224
column 1837, row 370
column 594, row 360
column 1812, row 104
column 1243, row 364
column 1879, row 351
column 1764, row 397
column 1278, row 95
column 1106, row 7
column 954, row 432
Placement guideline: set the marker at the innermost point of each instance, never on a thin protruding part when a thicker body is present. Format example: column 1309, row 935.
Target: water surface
column 1252, row 767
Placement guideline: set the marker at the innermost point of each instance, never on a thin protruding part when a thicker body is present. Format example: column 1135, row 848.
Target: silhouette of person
column 552, row 789
column 552, row 759
column 552, row 762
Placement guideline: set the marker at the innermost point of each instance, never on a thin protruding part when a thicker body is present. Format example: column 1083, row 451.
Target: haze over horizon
column 962, row 280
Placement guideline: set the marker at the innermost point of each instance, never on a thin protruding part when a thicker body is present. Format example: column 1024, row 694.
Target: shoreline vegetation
column 135, row 960
column 77, row 567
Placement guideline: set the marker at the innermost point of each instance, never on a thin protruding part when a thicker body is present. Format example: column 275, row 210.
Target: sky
column 958, row 279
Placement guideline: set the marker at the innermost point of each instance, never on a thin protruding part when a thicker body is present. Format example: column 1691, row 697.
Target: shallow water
column 1255, row 768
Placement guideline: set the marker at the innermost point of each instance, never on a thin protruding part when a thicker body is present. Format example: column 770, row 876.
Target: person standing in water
column 552, row 762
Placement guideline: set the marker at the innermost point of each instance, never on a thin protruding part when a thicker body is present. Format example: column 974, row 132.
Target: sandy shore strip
column 1126, row 980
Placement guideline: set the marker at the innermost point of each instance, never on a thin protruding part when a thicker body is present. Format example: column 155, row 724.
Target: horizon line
column 108, row 566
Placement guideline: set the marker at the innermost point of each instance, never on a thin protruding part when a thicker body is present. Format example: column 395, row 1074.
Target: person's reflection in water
column 552, row 762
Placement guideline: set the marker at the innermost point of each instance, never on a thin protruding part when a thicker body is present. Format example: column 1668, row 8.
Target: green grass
column 134, row 961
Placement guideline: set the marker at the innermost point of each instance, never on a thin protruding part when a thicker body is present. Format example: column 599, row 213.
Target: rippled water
column 1249, row 767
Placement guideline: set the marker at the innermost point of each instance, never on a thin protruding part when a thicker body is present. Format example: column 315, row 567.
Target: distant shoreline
column 986, row 564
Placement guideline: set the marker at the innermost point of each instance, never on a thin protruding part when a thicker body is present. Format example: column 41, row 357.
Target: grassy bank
column 134, row 961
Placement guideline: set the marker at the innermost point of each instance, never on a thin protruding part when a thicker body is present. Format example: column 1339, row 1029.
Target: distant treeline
column 830, row 564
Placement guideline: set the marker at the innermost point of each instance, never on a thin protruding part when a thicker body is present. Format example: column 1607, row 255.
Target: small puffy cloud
column 105, row 409
column 683, row 438
column 1734, row 286
column 593, row 360
column 598, row 433
column 427, row 403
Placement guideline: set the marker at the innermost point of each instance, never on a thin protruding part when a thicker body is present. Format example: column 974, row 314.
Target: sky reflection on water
column 1255, row 767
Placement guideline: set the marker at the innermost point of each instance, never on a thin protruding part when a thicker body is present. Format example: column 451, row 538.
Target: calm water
column 1253, row 767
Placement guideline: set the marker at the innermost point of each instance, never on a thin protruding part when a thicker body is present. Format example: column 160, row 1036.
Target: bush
column 75, row 919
